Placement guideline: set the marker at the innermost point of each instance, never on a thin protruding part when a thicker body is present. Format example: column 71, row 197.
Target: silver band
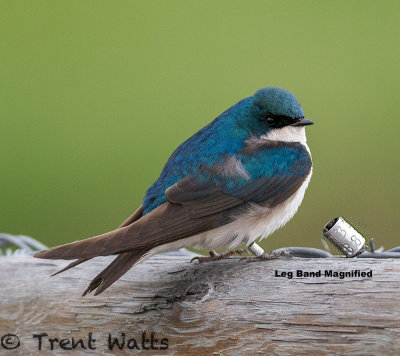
column 255, row 249
column 347, row 239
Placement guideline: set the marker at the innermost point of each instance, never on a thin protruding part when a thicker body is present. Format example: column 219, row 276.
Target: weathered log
column 223, row 308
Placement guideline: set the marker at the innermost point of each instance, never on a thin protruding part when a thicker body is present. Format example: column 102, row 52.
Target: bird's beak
column 303, row 122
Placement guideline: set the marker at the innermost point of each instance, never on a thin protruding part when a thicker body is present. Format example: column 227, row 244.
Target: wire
column 309, row 252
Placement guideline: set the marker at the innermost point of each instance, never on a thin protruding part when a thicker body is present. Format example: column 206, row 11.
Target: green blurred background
column 95, row 96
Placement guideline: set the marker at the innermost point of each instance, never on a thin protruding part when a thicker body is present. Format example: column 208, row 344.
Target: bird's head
column 275, row 114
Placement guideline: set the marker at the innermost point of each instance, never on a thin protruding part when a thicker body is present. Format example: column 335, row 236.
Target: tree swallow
column 238, row 179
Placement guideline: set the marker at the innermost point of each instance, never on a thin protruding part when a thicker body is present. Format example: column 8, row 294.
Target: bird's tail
column 114, row 270
column 121, row 264
column 71, row 265
column 134, row 217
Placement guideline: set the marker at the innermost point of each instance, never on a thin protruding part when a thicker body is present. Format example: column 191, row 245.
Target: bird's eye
column 270, row 121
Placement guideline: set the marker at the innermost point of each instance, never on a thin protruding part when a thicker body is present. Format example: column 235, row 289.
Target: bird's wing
column 197, row 204
column 136, row 215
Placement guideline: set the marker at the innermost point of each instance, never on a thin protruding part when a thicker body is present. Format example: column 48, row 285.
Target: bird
column 238, row 179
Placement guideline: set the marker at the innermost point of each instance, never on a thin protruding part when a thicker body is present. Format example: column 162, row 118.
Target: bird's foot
column 269, row 256
column 217, row 256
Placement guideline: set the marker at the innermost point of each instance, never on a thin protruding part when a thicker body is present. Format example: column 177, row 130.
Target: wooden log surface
column 220, row 308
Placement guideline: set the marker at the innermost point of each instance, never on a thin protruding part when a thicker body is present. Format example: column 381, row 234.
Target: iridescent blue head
column 274, row 108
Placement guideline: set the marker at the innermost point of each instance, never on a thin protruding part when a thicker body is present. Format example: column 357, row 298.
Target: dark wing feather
column 270, row 191
column 138, row 213
column 201, row 198
column 195, row 207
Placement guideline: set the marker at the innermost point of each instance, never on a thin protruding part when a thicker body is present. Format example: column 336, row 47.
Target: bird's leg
column 260, row 255
column 215, row 256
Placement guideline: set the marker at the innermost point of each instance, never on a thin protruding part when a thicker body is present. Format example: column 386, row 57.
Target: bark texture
column 222, row 308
